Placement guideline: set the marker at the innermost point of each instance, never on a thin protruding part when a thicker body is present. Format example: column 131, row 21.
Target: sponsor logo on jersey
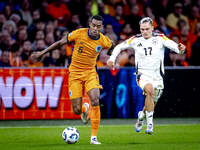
column 155, row 41
column 98, row 48
column 139, row 45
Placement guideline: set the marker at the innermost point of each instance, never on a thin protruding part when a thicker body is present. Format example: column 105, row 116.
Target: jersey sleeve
column 171, row 44
column 107, row 43
column 72, row 36
column 122, row 46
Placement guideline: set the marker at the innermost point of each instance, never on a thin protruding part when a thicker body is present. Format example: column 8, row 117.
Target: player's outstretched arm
column 178, row 48
column 38, row 55
column 181, row 47
column 110, row 64
column 110, row 50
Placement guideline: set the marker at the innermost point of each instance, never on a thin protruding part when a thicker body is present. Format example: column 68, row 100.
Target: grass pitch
column 114, row 137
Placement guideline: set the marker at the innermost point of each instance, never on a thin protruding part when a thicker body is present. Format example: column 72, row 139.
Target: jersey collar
column 91, row 37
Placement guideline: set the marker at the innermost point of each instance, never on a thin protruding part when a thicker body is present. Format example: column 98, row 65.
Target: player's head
column 146, row 27
column 96, row 25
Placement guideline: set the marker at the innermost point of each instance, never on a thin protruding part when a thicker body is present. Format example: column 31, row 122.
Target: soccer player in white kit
column 149, row 56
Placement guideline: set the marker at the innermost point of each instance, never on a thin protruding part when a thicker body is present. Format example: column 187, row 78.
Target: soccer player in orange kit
column 88, row 42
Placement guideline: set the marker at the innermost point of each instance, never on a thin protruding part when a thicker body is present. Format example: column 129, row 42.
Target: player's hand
column 36, row 56
column 110, row 64
column 181, row 47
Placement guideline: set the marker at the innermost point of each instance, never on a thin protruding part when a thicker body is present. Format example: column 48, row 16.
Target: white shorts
column 157, row 84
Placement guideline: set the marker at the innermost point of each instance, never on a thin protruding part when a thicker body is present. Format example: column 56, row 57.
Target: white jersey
column 149, row 53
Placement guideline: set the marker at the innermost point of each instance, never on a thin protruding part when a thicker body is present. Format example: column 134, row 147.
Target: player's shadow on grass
column 135, row 143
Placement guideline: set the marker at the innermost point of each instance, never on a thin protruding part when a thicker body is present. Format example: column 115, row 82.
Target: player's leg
column 149, row 107
column 94, row 95
column 92, row 86
column 84, row 115
column 77, row 105
column 151, row 97
column 140, row 120
column 76, row 89
column 141, row 81
column 143, row 114
column 80, row 109
column 149, row 116
column 147, row 111
column 149, row 92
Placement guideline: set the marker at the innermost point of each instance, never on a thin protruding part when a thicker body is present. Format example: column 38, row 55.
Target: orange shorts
column 77, row 83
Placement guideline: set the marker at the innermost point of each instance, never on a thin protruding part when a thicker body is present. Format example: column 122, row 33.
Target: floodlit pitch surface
column 165, row 137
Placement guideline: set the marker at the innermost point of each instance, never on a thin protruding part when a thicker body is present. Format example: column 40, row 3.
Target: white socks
column 92, row 137
column 149, row 117
column 141, row 115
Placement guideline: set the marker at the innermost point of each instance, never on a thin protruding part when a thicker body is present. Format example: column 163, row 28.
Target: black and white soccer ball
column 70, row 135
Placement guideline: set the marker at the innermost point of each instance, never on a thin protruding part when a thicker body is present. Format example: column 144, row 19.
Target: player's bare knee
column 77, row 110
column 150, row 92
column 95, row 102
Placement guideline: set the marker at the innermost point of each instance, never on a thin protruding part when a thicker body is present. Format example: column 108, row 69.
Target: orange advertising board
column 35, row 94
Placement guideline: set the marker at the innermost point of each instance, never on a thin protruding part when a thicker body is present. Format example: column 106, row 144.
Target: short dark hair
column 15, row 47
column 6, row 50
column 181, row 21
column 4, row 47
column 39, row 20
column 22, row 22
column 98, row 17
column 119, row 4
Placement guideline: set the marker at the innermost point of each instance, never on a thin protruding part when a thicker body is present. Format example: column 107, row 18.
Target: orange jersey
column 86, row 50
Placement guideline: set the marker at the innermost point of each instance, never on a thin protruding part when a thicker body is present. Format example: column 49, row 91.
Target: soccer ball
column 70, row 135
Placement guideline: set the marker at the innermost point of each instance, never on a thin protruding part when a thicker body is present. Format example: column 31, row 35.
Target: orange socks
column 95, row 119
column 83, row 109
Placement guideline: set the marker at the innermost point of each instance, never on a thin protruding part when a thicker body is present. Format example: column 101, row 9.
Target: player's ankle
column 141, row 115
column 93, row 137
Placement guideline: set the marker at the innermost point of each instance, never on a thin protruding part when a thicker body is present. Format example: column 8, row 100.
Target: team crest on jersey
column 155, row 41
column 98, row 48
column 70, row 93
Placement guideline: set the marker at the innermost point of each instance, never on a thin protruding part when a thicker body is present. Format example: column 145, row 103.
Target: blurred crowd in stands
column 27, row 26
